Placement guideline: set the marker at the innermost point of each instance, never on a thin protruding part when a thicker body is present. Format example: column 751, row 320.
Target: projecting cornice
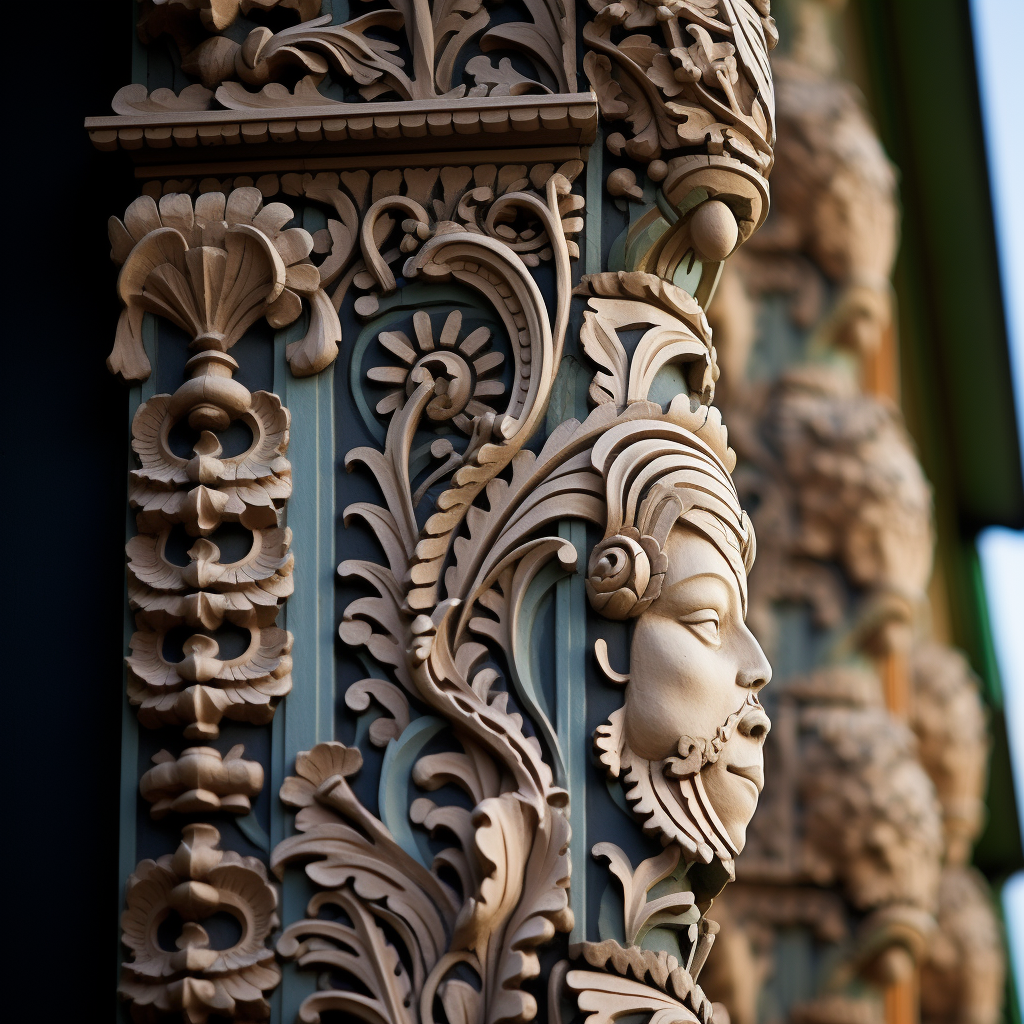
column 485, row 122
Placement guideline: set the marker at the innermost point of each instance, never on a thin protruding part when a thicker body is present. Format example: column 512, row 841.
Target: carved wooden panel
column 443, row 697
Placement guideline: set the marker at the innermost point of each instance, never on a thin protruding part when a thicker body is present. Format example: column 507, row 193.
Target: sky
column 998, row 29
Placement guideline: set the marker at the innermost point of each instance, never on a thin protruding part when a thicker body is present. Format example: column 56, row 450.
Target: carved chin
column 681, row 809
column 734, row 798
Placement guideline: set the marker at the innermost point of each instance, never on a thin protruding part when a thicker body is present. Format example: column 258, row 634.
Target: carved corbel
column 697, row 101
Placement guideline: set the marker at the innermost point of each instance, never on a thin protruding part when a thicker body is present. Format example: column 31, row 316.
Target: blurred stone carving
column 853, row 877
column 963, row 976
column 842, row 503
column 871, row 822
column 949, row 719
column 834, row 210
column 964, row 972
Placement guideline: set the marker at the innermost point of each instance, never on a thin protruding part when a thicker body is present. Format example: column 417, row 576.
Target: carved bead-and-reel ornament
column 212, row 268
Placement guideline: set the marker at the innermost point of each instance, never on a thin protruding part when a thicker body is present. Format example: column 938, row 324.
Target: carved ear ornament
column 656, row 475
column 625, row 574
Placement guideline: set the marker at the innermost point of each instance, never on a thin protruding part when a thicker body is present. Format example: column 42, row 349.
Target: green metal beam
column 959, row 397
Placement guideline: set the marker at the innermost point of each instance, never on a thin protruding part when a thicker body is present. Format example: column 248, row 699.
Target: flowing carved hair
column 657, row 474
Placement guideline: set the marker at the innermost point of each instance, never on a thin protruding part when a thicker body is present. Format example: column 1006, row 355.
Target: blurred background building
column 868, row 390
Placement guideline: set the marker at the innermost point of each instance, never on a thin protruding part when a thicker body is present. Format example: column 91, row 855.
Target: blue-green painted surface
column 526, row 670
column 127, row 858
column 395, row 774
column 306, row 716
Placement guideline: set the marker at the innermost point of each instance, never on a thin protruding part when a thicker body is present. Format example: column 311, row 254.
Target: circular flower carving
column 465, row 373
column 625, row 574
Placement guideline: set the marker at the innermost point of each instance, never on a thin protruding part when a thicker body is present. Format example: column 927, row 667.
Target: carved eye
column 704, row 623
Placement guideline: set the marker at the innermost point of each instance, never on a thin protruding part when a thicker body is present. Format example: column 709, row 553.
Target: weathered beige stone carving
column 398, row 940
column 963, row 974
column 200, row 780
column 196, row 982
column 964, row 970
column 870, row 818
column 949, row 720
column 843, row 516
column 838, row 486
column 658, row 484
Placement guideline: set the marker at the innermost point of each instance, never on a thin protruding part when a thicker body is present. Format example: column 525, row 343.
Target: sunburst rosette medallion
column 463, row 365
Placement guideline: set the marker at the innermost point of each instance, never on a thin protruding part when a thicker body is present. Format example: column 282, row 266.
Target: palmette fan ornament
column 213, row 269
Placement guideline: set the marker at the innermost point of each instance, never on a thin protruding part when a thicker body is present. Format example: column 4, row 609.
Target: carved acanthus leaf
column 633, row 980
column 372, row 879
column 641, row 913
column 705, row 84
column 436, row 35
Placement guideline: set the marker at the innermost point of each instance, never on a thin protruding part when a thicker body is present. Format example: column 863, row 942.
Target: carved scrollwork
column 439, row 37
column 196, row 981
column 451, row 590
column 510, row 851
column 704, row 85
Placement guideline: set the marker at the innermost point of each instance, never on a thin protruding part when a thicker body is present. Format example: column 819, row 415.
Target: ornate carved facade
column 439, row 543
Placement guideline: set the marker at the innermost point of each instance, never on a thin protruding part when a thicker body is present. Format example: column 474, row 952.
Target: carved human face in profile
column 691, row 733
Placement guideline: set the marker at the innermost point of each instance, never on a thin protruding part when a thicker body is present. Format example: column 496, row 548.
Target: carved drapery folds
column 444, row 901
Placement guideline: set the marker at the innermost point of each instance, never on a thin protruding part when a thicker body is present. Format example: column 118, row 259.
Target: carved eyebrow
column 716, row 577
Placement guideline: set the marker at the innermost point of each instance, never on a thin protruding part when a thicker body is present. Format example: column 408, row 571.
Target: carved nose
column 758, row 674
column 755, row 724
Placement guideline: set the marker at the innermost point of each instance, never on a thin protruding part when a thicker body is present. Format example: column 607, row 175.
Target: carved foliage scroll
column 506, row 891
column 448, row 46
